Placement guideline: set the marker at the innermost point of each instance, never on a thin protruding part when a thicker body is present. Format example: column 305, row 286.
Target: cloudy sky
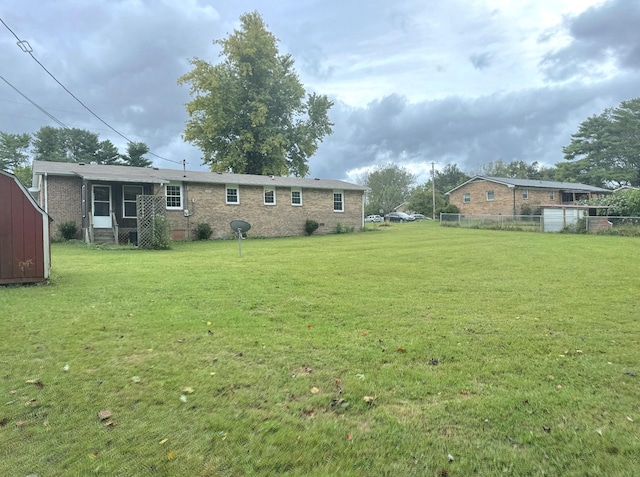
column 460, row 82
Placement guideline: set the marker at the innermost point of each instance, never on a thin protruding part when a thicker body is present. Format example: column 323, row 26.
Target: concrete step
column 103, row 236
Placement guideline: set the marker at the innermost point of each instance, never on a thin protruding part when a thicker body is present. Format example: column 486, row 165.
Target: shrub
column 341, row 228
column 203, row 231
column 310, row 226
column 161, row 233
column 68, row 230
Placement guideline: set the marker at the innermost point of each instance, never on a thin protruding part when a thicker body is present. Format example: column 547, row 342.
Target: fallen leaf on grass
column 349, row 436
column 188, row 390
column 364, row 333
column 21, row 423
column 315, row 390
column 171, row 455
column 110, row 424
column 309, row 326
column 629, row 418
column 37, row 383
column 183, row 398
column 368, row 399
column 163, row 441
column 65, row 367
column 136, row 379
column 104, row 415
column 401, row 350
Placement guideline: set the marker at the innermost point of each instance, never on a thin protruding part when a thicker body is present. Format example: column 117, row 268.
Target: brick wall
column 207, row 203
column 64, row 202
column 504, row 198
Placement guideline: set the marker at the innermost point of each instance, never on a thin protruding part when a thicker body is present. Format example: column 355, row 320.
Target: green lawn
column 514, row 353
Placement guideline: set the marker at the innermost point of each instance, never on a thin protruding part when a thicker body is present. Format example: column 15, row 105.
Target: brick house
column 101, row 200
column 506, row 196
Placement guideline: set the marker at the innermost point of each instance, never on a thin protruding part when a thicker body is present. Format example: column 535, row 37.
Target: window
column 489, row 195
column 269, row 196
column 296, row 196
column 466, row 198
column 338, row 201
column 173, row 193
column 552, row 195
column 233, row 194
column 129, row 195
column 525, row 193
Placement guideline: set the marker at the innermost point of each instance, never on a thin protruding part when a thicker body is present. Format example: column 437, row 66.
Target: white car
column 373, row 218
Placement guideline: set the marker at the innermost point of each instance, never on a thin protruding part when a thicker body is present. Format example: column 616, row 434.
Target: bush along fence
column 604, row 225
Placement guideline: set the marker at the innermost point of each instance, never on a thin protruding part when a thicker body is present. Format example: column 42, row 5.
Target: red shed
column 25, row 251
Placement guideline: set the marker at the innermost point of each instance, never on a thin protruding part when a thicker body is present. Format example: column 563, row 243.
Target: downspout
column 85, row 224
column 46, row 240
column 514, row 201
column 46, row 194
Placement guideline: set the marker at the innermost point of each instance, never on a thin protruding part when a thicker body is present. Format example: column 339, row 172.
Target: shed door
column 101, row 206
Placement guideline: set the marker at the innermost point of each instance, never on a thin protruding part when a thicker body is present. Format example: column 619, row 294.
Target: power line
column 26, row 48
column 51, row 116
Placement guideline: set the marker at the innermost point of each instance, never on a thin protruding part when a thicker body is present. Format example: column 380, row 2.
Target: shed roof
column 100, row 172
column 536, row 184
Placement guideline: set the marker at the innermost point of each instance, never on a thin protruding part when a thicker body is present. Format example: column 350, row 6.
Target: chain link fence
column 539, row 223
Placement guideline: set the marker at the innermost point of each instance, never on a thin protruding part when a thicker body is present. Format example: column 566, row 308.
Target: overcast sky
column 460, row 82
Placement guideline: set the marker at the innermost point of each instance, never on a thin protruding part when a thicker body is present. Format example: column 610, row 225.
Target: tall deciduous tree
column 449, row 178
column 389, row 186
column 516, row 170
column 14, row 150
column 249, row 113
column 605, row 151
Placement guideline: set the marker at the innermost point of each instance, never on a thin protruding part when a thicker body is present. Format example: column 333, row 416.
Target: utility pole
column 433, row 189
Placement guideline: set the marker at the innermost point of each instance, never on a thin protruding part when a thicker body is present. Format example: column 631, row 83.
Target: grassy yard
column 412, row 350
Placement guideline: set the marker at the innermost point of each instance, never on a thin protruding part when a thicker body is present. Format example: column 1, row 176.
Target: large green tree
column 449, row 177
column 79, row 145
column 605, row 151
column 517, row 170
column 135, row 155
column 14, row 150
column 250, row 113
column 389, row 186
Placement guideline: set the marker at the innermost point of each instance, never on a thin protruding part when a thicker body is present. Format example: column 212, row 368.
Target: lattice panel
column 150, row 209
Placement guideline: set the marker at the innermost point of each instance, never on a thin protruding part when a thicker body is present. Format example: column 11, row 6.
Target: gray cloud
column 529, row 125
column 480, row 61
column 606, row 32
column 412, row 84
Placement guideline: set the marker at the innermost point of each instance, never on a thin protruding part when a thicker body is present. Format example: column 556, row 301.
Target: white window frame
column 126, row 201
column 466, row 198
column 226, row 193
column 492, row 195
column 264, row 195
column 341, row 194
column 299, row 191
column 167, row 196
column 552, row 195
column 525, row 194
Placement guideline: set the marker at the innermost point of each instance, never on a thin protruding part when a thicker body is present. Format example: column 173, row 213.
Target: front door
column 101, row 206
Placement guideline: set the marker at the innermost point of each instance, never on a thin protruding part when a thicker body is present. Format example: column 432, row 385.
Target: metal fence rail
column 530, row 223
column 536, row 223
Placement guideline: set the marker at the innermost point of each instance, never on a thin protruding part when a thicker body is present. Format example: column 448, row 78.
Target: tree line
column 64, row 145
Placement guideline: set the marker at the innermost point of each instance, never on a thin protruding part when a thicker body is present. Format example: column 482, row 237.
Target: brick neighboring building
column 93, row 196
column 505, row 196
